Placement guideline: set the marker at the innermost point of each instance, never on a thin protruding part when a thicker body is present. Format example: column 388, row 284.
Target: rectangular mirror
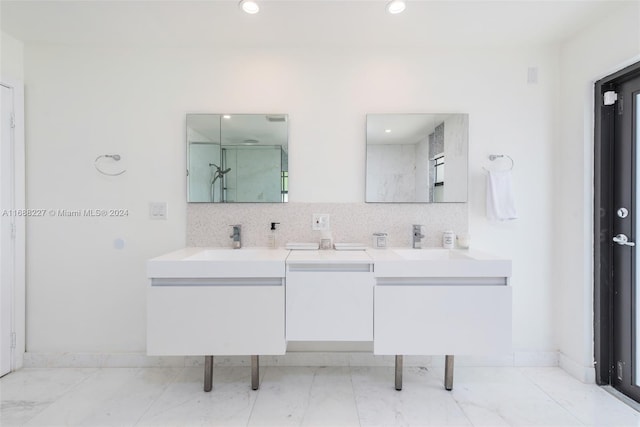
column 417, row 158
column 235, row 158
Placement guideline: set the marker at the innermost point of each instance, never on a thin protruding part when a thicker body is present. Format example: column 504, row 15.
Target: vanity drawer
column 434, row 320
column 214, row 318
column 329, row 305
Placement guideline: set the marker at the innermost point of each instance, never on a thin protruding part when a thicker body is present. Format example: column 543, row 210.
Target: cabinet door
column 429, row 320
column 239, row 319
column 329, row 306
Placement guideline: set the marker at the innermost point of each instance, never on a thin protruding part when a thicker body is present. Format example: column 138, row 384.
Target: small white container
column 380, row 240
column 448, row 239
column 326, row 239
column 464, row 241
column 325, row 244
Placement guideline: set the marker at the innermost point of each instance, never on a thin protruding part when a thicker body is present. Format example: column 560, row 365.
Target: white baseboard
column 18, row 361
column 536, row 358
column 586, row 374
column 100, row 360
column 126, row 360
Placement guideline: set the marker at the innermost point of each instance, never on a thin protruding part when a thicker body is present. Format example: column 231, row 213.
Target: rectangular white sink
column 251, row 254
column 219, row 263
column 436, row 262
column 430, row 254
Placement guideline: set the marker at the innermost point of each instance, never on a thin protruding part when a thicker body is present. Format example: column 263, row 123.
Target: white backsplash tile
column 208, row 224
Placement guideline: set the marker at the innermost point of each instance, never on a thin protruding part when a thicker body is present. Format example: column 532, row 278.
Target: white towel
column 500, row 201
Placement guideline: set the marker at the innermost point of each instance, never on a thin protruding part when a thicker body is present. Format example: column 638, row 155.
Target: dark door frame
column 603, row 223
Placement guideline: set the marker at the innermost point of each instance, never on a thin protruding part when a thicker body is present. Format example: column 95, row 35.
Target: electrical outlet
column 320, row 222
column 158, row 210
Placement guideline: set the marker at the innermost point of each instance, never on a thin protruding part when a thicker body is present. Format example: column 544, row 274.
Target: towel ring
column 493, row 157
column 115, row 157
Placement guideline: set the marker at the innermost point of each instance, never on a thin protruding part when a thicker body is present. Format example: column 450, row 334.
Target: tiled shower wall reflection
column 208, row 224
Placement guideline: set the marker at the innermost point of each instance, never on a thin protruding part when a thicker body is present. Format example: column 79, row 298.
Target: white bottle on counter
column 448, row 239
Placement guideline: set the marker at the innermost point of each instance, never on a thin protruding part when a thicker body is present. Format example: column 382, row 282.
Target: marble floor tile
column 505, row 397
column 591, row 405
column 312, row 396
column 306, row 396
column 109, row 397
column 27, row 392
column 331, row 399
column 184, row 403
column 423, row 401
column 283, row 397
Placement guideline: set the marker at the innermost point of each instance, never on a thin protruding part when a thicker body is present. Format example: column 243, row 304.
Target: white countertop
column 198, row 262
column 437, row 262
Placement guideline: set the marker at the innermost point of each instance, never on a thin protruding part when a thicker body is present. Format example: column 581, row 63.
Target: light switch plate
column 320, row 222
column 157, row 210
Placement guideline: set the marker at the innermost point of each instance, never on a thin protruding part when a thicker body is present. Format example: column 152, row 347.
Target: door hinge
column 620, row 105
column 619, row 370
column 609, row 97
column 13, row 230
column 13, row 340
column 13, row 120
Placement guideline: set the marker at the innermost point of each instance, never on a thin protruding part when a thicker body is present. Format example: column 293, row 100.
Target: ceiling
column 403, row 129
column 239, row 129
column 299, row 23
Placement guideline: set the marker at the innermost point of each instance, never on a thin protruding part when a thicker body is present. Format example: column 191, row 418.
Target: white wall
column 86, row 296
column 11, row 58
column 523, row 128
column 594, row 53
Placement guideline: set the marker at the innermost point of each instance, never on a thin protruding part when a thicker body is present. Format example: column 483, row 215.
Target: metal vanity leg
column 255, row 372
column 448, row 372
column 208, row 373
column 398, row 372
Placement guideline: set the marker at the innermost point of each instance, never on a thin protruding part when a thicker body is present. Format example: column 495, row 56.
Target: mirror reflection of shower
column 218, row 173
column 237, row 158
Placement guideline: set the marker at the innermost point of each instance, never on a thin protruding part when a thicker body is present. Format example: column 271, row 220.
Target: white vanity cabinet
column 192, row 311
column 427, row 318
column 253, row 301
column 215, row 317
column 434, row 302
column 329, row 296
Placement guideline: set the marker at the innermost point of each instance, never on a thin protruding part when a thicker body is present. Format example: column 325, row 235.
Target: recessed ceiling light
column 226, row 116
column 387, row 130
column 396, row 6
column 250, row 6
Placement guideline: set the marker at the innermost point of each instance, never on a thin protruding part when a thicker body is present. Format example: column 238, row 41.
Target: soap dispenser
column 271, row 238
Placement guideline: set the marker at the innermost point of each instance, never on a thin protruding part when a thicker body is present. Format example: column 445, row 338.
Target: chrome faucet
column 417, row 236
column 237, row 239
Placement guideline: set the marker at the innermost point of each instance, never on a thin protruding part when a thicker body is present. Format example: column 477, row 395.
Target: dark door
column 626, row 226
column 617, row 190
